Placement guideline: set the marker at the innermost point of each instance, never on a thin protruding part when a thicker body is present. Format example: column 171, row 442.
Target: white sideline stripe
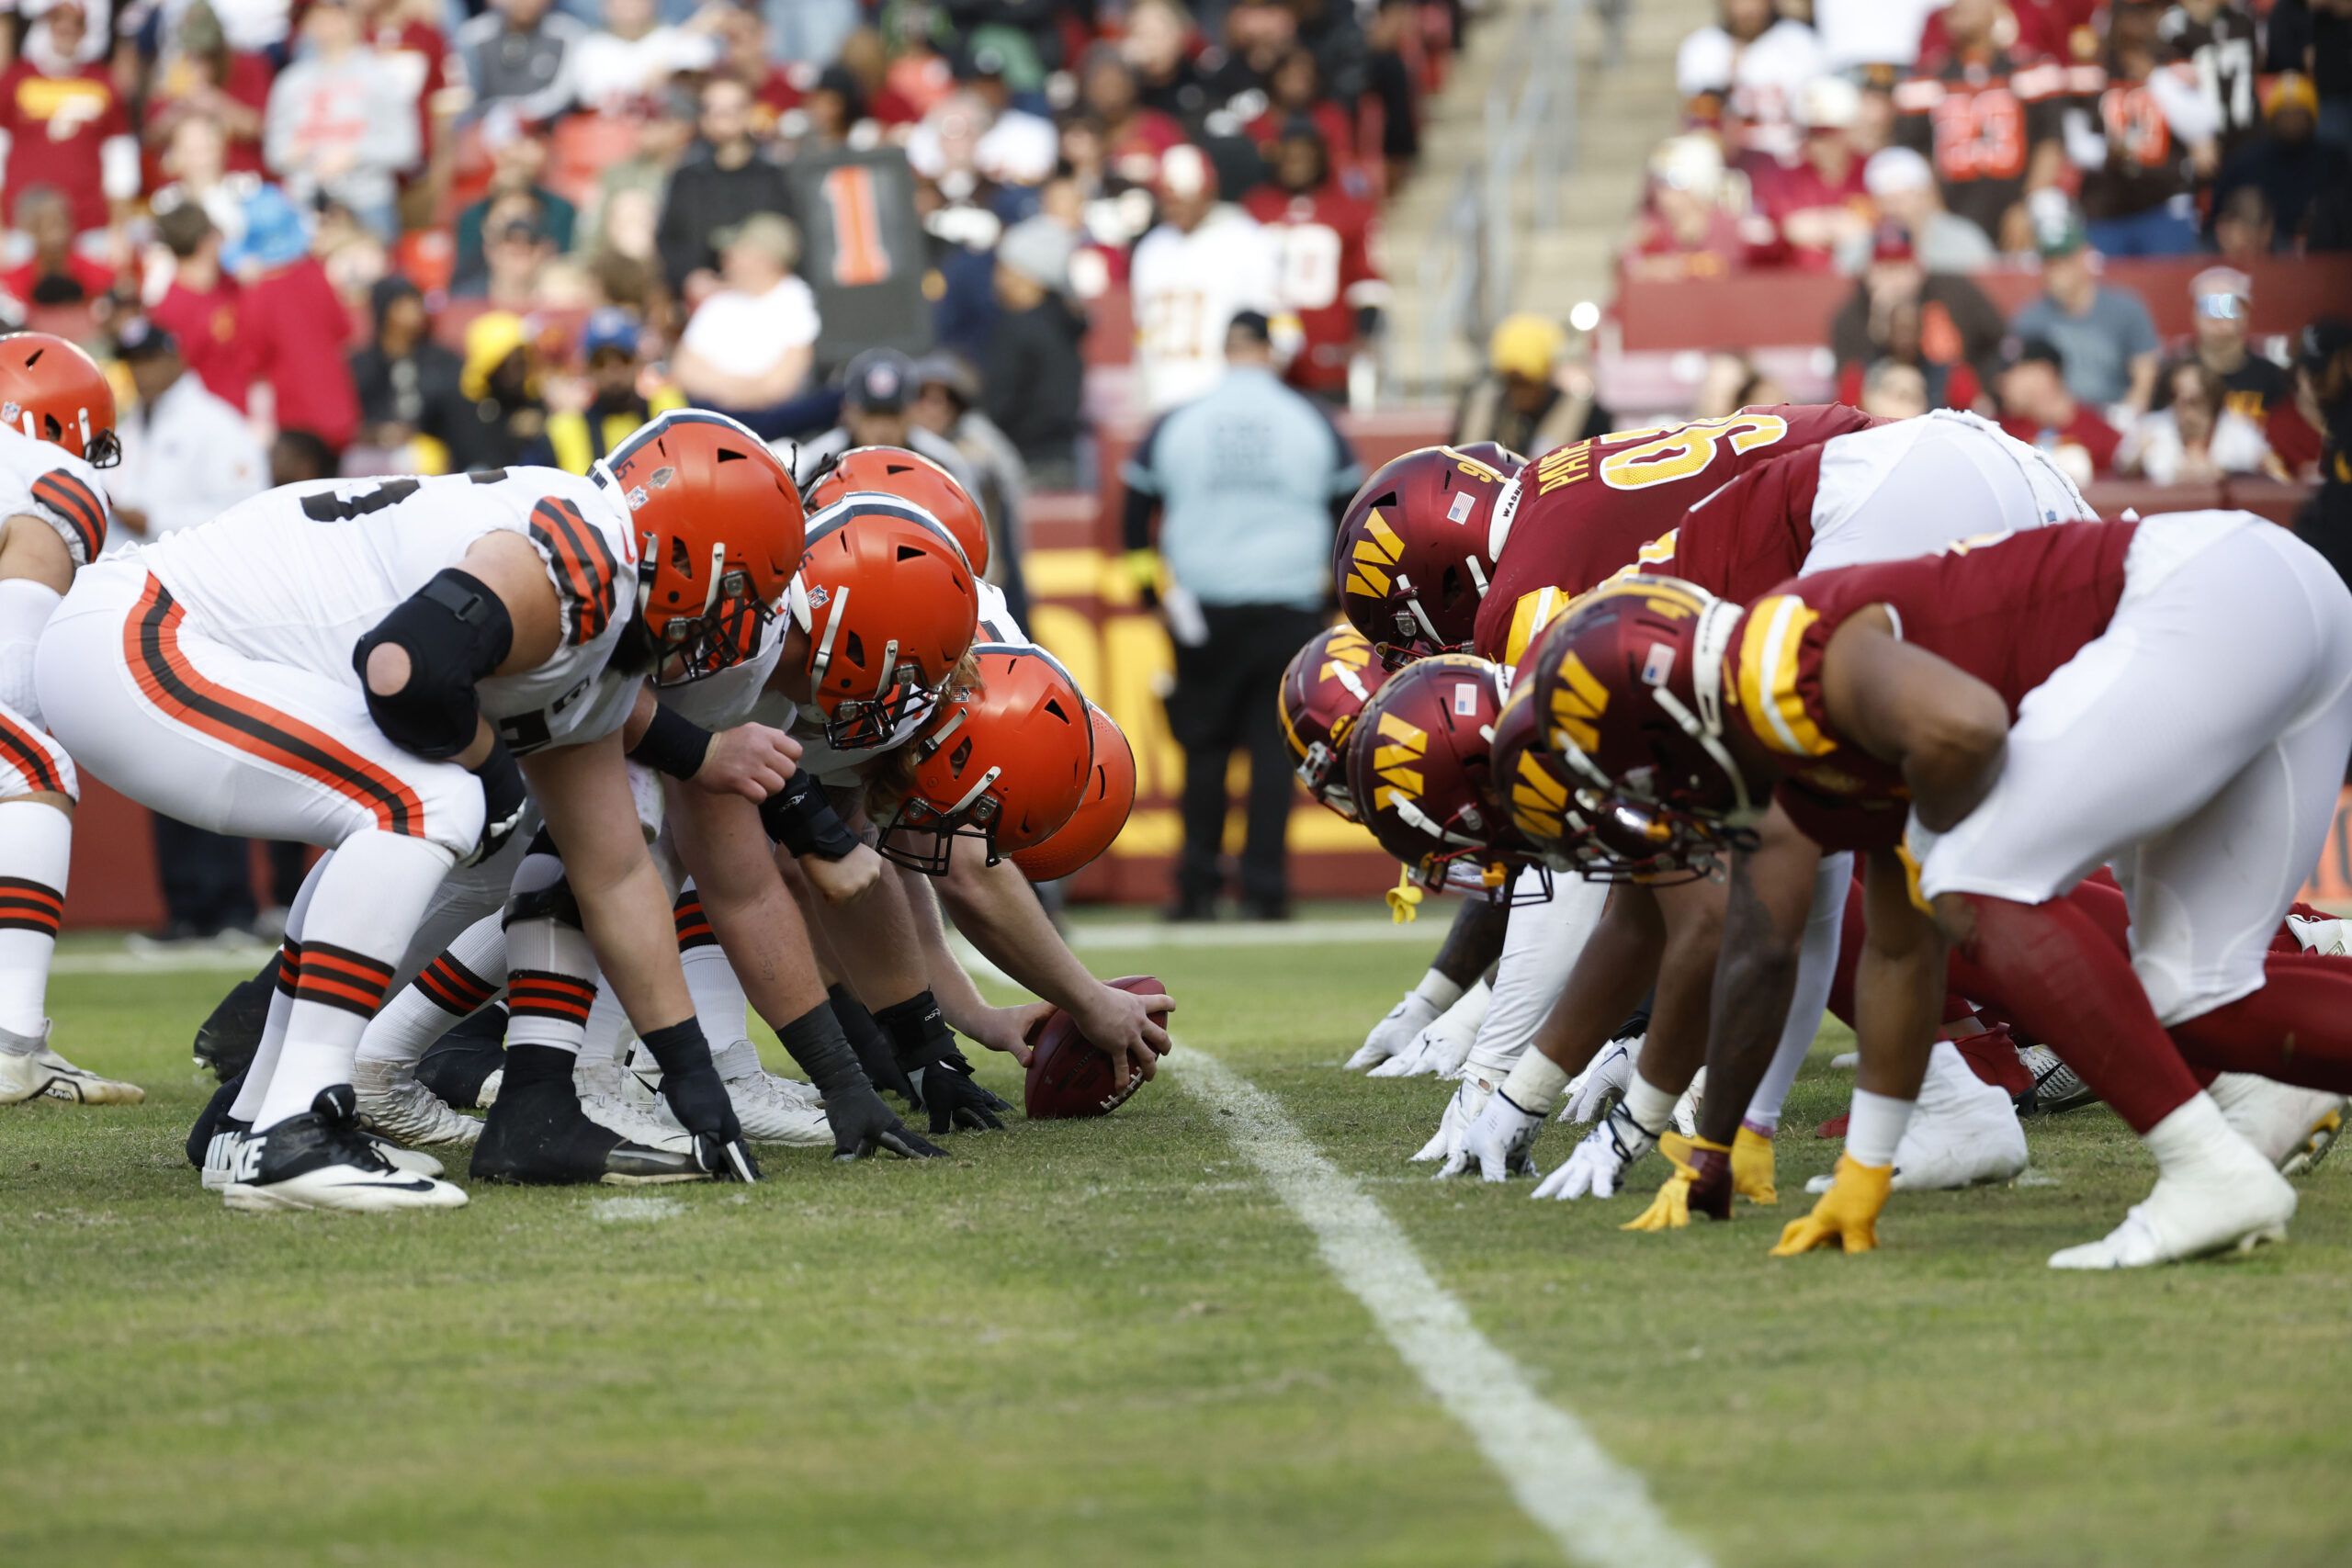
column 1596, row 1509
column 1245, row 934
column 171, row 963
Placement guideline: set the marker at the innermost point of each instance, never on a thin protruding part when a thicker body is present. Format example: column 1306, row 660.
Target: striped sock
column 548, row 1009
column 36, row 843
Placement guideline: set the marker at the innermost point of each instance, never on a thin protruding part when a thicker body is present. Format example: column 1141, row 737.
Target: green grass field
column 1109, row 1343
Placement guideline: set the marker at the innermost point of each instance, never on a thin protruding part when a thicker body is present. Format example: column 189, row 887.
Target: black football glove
column 940, row 1077
column 698, row 1098
column 862, row 1124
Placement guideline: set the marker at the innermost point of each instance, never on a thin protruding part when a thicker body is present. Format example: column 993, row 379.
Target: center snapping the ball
column 1068, row 1076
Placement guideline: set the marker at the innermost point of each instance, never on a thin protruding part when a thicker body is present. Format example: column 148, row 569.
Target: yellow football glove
column 1670, row 1209
column 1846, row 1214
column 1143, row 574
column 1751, row 1168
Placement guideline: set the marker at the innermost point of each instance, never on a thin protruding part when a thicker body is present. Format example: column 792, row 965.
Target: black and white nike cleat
column 321, row 1160
column 537, row 1133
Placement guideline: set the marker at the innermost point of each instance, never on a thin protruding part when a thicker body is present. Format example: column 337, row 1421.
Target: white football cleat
column 2292, row 1128
column 417, row 1162
column 770, row 1112
column 1394, row 1031
column 1957, row 1140
column 29, row 1068
column 612, row 1097
column 321, row 1160
column 2231, row 1208
column 392, row 1103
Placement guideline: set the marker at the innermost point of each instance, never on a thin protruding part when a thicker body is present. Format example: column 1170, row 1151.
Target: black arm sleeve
column 799, row 818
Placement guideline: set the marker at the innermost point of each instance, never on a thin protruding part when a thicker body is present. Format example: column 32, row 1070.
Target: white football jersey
column 733, row 695
column 1186, row 289
column 41, row 479
column 297, row 575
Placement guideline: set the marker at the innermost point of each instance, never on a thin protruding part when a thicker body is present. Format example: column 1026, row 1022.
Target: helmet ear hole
column 961, row 755
column 856, row 648
column 682, row 559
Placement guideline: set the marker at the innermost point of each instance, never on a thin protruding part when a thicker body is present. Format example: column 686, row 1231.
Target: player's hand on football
column 1130, row 1029
column 698, row 1098
column 1007, row 1029
column 841, row 881
column 1497, row 1141
column 1596, row 1166
column 1461, row 1114
column 1602, row 1083
column 864, row 1126
column 751, row 760
column 1847, row 1216
column 1394, row 1031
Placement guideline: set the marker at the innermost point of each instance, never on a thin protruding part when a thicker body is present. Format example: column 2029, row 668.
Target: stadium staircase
column 1532, row 159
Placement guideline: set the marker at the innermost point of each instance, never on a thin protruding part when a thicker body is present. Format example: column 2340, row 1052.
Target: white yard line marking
column 634, row 1211
column 166, row 963
column 1119, row 934
column 1596, row 1509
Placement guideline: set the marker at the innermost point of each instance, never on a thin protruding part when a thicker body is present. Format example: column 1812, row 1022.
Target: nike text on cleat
column 220, row 1153
column 321, row 1160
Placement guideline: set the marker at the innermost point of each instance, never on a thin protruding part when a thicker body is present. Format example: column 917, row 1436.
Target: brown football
column 1068, row 1077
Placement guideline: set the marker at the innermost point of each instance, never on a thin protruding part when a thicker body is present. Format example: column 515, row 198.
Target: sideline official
column 1246, row 482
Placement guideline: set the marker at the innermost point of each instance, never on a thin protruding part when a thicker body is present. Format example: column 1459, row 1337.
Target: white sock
column 606, row 1036
column 1809, row 1002
column 1651, row 1108
column 36, row 843
column 1535, row 1084
column 1437, row 991
column 1875, row 1128
column 2193, row 1134
column 720, row 1005
column 362, row 909
column 256, row 1087
column 472, row 969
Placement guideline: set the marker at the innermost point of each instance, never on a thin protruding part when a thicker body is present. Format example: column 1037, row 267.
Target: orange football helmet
column 1006, row 763
column 1100, row 814
column 911, row 477
column 890, row 606
column 720, row 528
column 53, row 392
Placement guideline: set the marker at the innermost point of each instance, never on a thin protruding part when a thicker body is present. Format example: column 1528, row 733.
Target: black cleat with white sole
column 537, row 1134
column 321, row 1159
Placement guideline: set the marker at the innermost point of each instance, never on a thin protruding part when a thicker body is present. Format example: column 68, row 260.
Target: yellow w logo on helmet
column 1396, row 757
column 1578, row 699
column 1375, row 554
column 1539, row 803
column 1346, row 650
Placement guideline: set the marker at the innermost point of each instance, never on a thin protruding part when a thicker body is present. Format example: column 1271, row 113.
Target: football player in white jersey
column 56, row 429
column 358, row 664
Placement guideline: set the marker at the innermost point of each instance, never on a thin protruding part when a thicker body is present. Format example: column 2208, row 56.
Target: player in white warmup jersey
column 56, row 430
column 354, row 664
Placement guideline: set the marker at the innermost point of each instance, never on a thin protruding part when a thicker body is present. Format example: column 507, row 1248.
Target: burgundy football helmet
column 1412, row 559
column 1631, row 685
column 1419, row 768
column 1322, row 692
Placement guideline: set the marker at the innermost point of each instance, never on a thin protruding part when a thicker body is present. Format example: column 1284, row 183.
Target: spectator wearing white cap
column 2258, row 390
column 748, row 344
column 1205, row 261
column 1903, row 183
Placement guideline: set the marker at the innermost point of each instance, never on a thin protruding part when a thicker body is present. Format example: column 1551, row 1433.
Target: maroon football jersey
column 1585, row 511
column 2009, row 609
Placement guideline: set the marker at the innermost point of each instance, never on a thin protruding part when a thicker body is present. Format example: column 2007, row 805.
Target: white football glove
column 1497, row 1141
column 1436, row 1052
column 1394, row 1033
column 1461, row 1112
column 1596, row 1167
column 1602, row 1083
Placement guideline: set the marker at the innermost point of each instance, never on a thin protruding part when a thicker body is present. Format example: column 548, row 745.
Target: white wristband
column 1537, row 1084
column 1437, row 991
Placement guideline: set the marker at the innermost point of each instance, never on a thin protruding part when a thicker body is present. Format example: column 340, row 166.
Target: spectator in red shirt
column 291, row 323
column 1819, row 206
column 63, row 123
column 1322, row 238
column 202, row 76
column 1688, row 233
column 2038, row 410
column 56, row 274
column 199, row 306
column 1296, row 92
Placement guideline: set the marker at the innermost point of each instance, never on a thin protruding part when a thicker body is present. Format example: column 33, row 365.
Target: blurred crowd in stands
column 1908, row 144
column 314, row 237
column 433, row 234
